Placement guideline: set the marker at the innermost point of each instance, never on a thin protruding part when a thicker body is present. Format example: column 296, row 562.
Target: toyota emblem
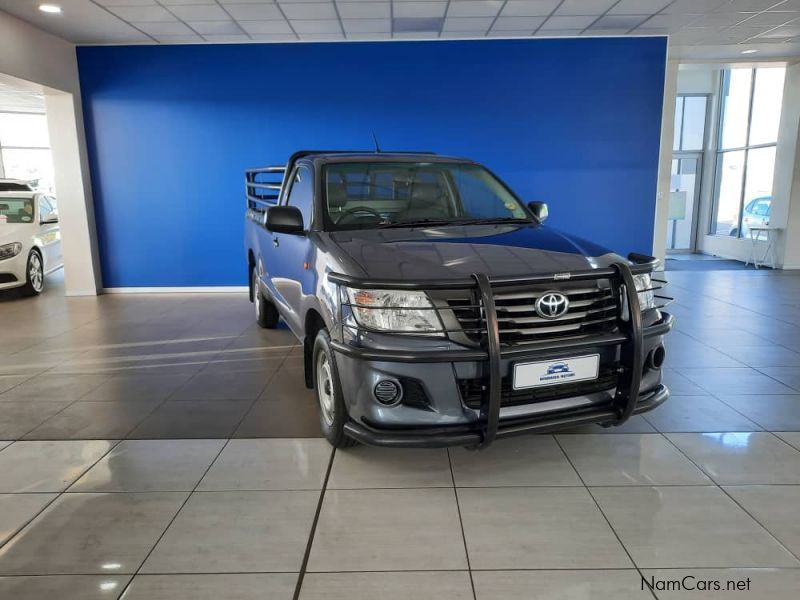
column 551, row 305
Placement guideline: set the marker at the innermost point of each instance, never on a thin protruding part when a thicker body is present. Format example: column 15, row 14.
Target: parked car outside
column 30, row 240
column 756, row 213
column 435, row 308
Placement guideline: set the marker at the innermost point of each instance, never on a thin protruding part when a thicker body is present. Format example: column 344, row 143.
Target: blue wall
column 575, row 122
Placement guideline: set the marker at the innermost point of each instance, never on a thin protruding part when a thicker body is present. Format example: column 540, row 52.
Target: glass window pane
column 694, row 122
column 735, row 107
column 758, row 188
column 30, row 165
column 729, row 193
column 767, row 100
column 29, row 131
column 676, row 140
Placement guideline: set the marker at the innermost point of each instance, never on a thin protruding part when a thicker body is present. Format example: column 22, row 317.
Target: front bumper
column 12, row 271
column 449, row 421
column 464, row 435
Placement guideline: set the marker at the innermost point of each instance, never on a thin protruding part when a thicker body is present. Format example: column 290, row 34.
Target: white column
column 786, row 183
column 74, row 194
column 665, row 161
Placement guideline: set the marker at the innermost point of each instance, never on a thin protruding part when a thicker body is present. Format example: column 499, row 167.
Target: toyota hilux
column 436, row 309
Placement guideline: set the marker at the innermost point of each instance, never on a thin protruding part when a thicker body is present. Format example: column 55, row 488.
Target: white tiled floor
column 165, row 448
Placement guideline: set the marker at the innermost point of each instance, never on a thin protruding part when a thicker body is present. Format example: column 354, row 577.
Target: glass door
column 684, row 199
column 691, row 115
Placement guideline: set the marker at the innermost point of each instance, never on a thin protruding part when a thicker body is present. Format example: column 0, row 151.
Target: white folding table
column 755, row 237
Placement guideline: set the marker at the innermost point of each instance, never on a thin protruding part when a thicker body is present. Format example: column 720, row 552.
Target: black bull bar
column 629, row 337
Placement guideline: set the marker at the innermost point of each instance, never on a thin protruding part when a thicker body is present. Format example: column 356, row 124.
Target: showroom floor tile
column 388, row 530
column 698, row 413
column 537, row 528
column 213, row 490
column 272, row 464
column 236, row 532
column 741, row 458
column 239, row 586
column 420, row 585
column 47, row 466
column 151, row 466
column 771, row 412
column 91, row 534
column 629, row 459
column 622, row 584
column 365, row 467
column 775, row 507
column 63, row 587
column 683, row 527
column 509, row 463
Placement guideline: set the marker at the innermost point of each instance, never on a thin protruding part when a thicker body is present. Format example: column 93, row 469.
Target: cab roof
column 331, row 156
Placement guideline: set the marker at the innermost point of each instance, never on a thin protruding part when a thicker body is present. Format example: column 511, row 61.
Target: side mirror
column 285, row 219
column 539, row 210
column 50, row 218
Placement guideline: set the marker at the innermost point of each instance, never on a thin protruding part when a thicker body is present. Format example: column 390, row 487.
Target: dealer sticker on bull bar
column 556, row 372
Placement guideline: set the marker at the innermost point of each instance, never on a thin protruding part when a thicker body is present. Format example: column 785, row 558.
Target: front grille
column 473, row 390
column 592, row 310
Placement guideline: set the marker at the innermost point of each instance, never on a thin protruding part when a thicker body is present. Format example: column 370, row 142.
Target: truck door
column 285, row 255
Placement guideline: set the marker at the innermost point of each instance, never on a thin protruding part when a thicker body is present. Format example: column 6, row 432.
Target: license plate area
column 555, row 371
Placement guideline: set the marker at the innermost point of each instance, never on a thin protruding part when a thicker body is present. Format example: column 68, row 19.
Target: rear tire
column 328, row 391
column 34, row 275
column 266, row 314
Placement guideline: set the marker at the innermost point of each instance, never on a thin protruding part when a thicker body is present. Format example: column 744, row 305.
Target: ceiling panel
column 723, row 23
column 529, row 8
column 472, row 24
column 584, row 7
column 474, row 8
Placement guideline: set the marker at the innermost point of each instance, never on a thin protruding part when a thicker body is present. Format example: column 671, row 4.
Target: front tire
column 266, row 313
column 328, row 391
column 34, row 275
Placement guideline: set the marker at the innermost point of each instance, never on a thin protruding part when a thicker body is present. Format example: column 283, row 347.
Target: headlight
column 391, row 310
column 645, row 288
column 10, row 250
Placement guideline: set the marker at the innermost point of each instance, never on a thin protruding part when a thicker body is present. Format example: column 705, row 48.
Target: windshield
column 383, row 194
column 16, row 210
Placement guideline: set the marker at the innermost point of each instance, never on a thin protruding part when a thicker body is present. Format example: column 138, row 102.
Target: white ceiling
column 697, row 28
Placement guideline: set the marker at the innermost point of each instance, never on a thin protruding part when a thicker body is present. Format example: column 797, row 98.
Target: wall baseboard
column 220, row 289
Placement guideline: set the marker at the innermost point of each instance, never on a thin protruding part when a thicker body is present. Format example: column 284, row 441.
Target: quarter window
column 301, row 194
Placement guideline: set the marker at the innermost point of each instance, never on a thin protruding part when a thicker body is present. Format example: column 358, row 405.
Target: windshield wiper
column 417, row 223
column 493, row 221
column 454, row 222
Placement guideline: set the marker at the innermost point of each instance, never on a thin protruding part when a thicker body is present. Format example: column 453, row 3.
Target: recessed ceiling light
column 750, row 51
column 53, row 9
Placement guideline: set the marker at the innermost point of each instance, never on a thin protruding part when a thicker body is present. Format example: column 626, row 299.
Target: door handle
column 275, row 242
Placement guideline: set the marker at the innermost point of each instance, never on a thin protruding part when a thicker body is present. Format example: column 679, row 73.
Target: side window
column 44, row 208
column 301, row 194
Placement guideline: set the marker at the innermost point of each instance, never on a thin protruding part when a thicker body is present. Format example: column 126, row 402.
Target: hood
column 455, row 252
column 15, row 232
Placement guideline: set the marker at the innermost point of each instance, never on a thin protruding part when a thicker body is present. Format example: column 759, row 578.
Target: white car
column 30, row 240
column 15, row 185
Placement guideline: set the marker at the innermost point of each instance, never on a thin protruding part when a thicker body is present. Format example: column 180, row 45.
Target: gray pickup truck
column 435, row 308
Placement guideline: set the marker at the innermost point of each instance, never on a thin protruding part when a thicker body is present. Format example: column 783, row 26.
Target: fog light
column 388, row 392
column 657, row 357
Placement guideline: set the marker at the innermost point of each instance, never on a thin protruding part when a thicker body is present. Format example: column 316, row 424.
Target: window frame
column 294, row 181
column 720, row 151
column 707, row 113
